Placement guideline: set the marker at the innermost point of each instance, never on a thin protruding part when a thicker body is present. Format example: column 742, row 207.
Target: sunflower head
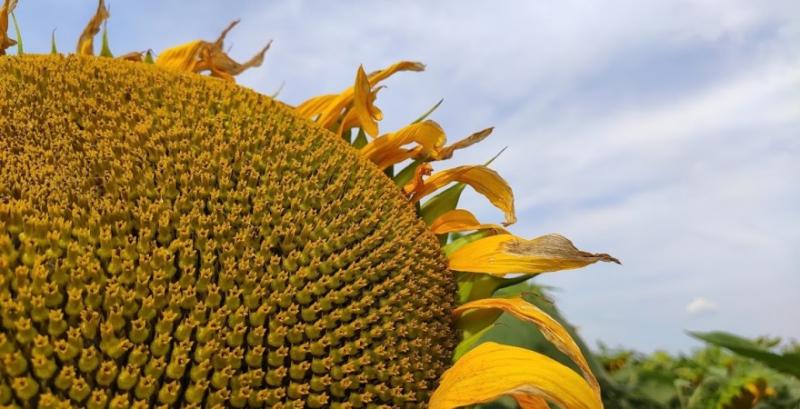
column 169, row 239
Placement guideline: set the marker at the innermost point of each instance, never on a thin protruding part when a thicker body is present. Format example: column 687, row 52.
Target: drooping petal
column 530, row 401
column 492, row 370
column 135, row 56
column 86, row 40
column 551, row 329
column 387, row 150
column 461, row 220
column 504, row 254
column 447, row 151
column 185, row 57
column 484, row 180
column 5, row 41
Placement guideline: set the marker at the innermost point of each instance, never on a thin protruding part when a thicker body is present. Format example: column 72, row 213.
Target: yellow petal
column 551, row 329
column 380, row 75
column 185, row 57
column 388, row 149
column 315, row 106
column 5, row 41
column 530, row 402
column 461, row 220
column 135, row 56
column 363, row 104
column 333, row 111
column 416, row 182
column 504, row 253
column 222, row 63
column 484, row 180
column 447, row 151
column 492, row 370
column 86, row 40
column 198, row 55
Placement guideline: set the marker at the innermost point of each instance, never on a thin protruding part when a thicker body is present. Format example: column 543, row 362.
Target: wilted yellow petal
column 86, row 40
column 333, row 111
column 530, row 402
column 5, row 41
column 492, row 370
column 380, row 75
column 222, row 63
column 316, row 106
column 198, row 55
column 447, row 151
column 551, row 329
column 416, row 182
column 135, row 56
column 461, row 220
column 363, row 113
column 504, row 253
column 484, row 180
column 388, row 149
column 185, row 57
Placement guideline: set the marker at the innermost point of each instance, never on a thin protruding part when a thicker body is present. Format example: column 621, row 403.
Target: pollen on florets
column 173, row 240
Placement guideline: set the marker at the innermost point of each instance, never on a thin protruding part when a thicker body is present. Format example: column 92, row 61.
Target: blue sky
column 664, row 133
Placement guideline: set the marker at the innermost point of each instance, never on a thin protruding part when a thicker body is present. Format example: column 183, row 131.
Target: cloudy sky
column 665, row 133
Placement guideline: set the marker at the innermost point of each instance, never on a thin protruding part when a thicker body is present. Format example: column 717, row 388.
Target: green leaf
column 468, row 343
column 105, row 50
column 278, row 91
column 361, row 139
column 787, row 363
column 148, row 57
column 441, row 203
column 405, row 175
column 53, row 48
column 20, row 50
column 462, row 240
column 428, row 112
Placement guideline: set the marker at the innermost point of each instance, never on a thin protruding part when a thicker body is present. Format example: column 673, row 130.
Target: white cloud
column 701, row 305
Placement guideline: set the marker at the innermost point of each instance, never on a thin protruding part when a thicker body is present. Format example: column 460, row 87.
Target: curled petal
column 333, row 111
column 457, row 220
column 5, row 41
column 551, row 329
column 416, row 183
column 505, row 253
column 484, row 180
column 86, row 40
column 199, row 55
column 492, row 370
column 380, row 75
column 363, row 113
column 221, row 62
column 387, row 150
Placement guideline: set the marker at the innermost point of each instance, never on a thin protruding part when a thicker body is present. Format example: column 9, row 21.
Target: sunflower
column 171, row 239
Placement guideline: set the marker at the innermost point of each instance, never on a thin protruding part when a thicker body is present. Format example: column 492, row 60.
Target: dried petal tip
column 505, row 254
column 199, row 55
column 86, row 41
column 5, row 41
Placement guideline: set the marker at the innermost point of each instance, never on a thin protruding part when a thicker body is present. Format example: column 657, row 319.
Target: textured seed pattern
column 172, row 240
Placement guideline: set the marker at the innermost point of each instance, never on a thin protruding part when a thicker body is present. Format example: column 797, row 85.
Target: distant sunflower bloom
column 173, row 240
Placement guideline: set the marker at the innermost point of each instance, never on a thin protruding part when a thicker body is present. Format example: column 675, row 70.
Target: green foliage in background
column 709, row 378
